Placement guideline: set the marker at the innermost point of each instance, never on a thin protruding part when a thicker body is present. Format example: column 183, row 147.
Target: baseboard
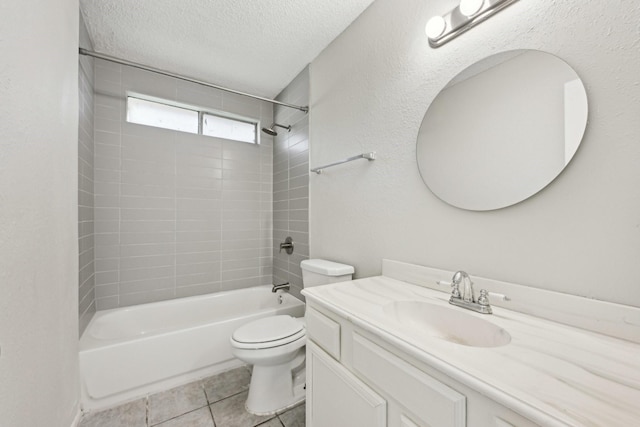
column 76, row 420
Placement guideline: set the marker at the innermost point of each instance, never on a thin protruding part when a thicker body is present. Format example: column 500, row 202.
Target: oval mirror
column 502, row 130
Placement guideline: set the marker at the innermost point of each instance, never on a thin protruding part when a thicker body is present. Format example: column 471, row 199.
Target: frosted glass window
column 160, row 115
column 224, row 127
column 186, row 118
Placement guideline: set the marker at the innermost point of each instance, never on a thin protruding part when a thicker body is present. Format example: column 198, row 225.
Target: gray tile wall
column 291, row 184
column 176, row 214
column 86, row 292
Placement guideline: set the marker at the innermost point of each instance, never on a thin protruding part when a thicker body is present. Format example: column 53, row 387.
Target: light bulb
column 470, row 7
column 435, row 27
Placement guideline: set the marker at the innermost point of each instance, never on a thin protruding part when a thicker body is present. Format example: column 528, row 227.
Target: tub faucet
column 284, row 286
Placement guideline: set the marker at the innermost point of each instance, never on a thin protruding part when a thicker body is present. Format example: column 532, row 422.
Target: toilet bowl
column 275, row 346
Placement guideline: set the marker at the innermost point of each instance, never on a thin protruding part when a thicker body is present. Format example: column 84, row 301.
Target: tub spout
column 284, row 286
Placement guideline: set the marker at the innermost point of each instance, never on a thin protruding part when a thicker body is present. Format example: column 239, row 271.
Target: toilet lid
column 268, row 329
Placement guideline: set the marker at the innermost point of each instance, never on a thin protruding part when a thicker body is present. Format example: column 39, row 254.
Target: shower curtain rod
column 185, row 78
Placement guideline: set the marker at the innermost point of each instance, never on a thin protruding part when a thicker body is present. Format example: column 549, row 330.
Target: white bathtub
column 129, row 352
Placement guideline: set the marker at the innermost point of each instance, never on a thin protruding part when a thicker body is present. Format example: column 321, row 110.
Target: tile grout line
column 147, row 420
column 226, row 397
column 180, row 415
column 211, row 413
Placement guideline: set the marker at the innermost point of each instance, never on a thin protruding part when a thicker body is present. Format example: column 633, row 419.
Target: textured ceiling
column 257, row 46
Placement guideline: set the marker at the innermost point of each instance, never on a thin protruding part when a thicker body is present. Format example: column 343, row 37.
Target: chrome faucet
column 466, row 298
column 283, row 286
column 467, row 293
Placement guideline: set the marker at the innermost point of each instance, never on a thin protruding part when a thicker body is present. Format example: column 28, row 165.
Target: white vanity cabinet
column 549, row 359
column 354, row 378
column 335, row 396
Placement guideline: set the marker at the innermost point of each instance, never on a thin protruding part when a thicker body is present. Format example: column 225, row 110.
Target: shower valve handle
column 287, row 245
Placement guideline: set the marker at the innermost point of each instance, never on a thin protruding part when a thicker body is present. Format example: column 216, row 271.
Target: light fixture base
column 457, row 23
column 470, row 7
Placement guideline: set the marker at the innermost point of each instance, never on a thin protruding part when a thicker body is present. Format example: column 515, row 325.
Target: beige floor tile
column 230, row 412
column 294, row 417
column 132, row 414
column 198, row 418
column 271, row 423
column 186, row 406
column 227, row 384
column 175, row 402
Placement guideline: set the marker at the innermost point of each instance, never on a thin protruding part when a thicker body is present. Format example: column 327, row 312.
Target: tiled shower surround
column 86, row 267
column 176, row 214
column 291, row 184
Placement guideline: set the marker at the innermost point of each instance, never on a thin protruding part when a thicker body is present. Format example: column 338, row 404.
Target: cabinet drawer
column 323, row 331
column 431, row 401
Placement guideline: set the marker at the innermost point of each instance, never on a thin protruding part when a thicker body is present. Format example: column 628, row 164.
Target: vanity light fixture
column 469, row 13
column 470, row 7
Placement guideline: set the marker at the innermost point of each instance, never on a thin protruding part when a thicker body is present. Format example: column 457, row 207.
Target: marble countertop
column 553, row 374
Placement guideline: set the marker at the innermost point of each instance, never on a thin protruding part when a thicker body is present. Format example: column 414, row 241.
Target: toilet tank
column 321, row 272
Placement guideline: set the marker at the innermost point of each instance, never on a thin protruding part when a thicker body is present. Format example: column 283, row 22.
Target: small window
column 193, row 120
column 160, row 115
column 222, row 127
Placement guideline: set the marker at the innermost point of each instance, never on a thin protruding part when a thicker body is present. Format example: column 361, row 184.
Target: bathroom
column 368, row 91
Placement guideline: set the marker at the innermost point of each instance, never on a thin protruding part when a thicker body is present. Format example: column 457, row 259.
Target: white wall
column 38, row 213
column 86, row 148
column 369, row 91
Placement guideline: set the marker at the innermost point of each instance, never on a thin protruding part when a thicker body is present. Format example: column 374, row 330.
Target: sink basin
column 451, row 324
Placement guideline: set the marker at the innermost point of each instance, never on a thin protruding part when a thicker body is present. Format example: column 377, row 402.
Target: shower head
column 271, row 130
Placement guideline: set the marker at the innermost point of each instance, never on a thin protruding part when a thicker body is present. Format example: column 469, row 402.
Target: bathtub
column 129, row 352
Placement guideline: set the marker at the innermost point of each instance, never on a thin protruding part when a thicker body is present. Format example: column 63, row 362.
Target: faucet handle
column 483, row 299
column 287, row 245
column 455, row 292
column 496, row 295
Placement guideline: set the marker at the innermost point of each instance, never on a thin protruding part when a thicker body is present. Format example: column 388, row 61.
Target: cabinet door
column 336, row 398
column 433, row 402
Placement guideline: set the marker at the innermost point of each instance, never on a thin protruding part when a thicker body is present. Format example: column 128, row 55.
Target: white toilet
column 275, row 347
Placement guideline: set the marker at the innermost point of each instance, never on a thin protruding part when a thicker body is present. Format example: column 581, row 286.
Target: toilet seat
column 269, row 332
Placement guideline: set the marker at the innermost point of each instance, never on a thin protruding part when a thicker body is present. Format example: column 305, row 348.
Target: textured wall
column 86, row 294
column 370, row 90
column 176, row 214
column 39, row 384
column 291, row 184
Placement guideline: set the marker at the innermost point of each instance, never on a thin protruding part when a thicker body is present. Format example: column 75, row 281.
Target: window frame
column 201, row 113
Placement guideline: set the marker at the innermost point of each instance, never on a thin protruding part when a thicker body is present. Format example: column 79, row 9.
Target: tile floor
column 216, row 401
